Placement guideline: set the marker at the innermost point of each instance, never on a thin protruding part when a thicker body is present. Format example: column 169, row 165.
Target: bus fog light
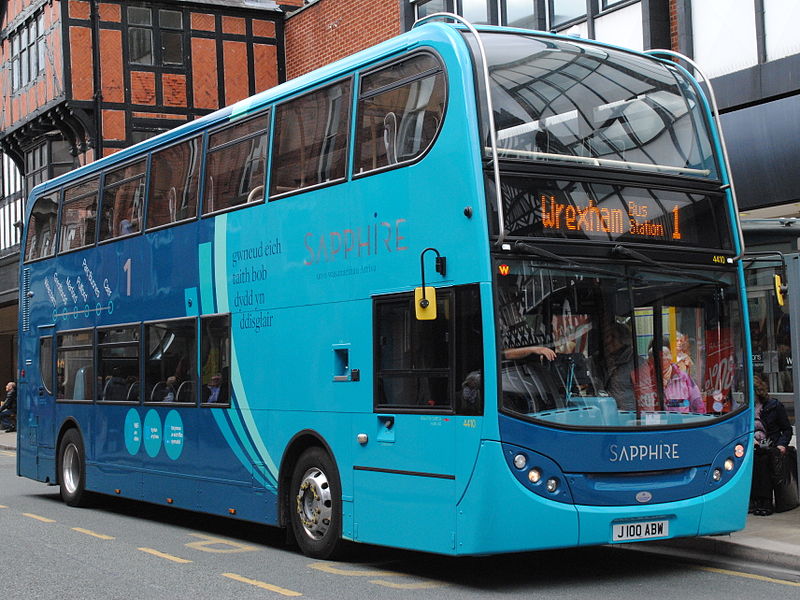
column 552, row 484
column 534, row 475
column 717, row 475
column 729, row 464
column 520, row 461
column 738, row 451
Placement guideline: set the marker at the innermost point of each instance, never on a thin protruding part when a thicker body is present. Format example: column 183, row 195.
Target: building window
column 564, row 11
column 36, row 161
column 27, row 53
column 521, row 13
column 151, row 43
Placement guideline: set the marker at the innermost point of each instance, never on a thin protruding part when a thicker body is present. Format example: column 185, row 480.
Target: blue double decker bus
column 464, row 292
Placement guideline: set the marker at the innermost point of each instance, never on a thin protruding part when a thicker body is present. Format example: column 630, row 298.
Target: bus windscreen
column 573, row 103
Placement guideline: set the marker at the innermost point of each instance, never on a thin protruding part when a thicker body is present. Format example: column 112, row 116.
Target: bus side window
column 170, row 371
column 79, row 215
column 174, row 175
column 235, row 166
column 123, row 201
column 215, row 360
column 118, row 363
column 310, row 145
column 75, row 366
column 41, row 239
column 400, row 111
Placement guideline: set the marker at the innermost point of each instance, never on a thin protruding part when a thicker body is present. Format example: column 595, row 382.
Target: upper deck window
column 123, row 201
column 571, row 102
column 174, row 175
column 41, row 241
column 235, row 167
column 311, row 139
column 79, row 215
column 399, row 113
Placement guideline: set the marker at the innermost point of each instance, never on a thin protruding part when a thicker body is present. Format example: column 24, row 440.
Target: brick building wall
column 329, row 30
column 227, row 53
column 17, row 105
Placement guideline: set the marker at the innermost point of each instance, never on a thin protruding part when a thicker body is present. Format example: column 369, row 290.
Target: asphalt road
column 123, row 549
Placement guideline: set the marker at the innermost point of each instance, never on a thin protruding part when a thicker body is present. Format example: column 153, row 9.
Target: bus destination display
column 613, row 213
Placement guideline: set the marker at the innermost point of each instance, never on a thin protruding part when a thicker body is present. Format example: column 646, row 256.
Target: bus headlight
column 520, row 461
column 729, row 464
column 738, row 451
column 552, row 485
column 717, row 475
column 534, row 475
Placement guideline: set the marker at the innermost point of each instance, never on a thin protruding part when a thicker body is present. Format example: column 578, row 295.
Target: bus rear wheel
column 72, row 469
column 315, row 506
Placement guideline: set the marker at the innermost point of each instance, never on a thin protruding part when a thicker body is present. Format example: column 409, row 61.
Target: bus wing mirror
column 425, row 303
column 780, row 289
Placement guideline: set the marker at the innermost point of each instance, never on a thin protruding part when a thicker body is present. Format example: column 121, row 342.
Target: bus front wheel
column 72, row 469
column 316, row 504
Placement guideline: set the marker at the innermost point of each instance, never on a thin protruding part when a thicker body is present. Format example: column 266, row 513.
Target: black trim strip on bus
column 399, row 472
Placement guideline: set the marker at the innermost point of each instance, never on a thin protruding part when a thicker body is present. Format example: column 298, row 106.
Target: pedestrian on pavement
column 773, row 432
column 8, row 409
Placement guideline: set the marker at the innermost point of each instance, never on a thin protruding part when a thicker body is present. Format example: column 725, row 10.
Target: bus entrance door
column 43, row 401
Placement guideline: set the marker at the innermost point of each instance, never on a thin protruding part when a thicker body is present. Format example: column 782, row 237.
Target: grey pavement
column 772, row 541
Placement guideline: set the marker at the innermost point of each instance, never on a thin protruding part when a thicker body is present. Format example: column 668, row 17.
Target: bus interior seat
column 390, row 137
column 158, row 392
column 185, row 392
column 83, row 384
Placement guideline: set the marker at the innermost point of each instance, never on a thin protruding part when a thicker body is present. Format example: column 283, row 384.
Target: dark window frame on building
column 27, row 52
column 166, row 39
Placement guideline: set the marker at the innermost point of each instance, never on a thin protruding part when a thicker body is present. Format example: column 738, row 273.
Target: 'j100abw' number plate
column 642, row 530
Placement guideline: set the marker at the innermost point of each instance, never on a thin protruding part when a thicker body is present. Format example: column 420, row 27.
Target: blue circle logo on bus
column 644, row 497
column 133, row 431
column 152, row 433
column 173, row 434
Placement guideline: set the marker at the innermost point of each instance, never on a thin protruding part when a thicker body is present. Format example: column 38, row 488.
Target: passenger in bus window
column 684, row 358
column 681, row 393
column 115, row 387
column 211, row 391
column 617, row 356
column 169, row 392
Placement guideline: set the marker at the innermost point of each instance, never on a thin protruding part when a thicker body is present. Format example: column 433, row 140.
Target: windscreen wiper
column 622, row 251
column 541, row 252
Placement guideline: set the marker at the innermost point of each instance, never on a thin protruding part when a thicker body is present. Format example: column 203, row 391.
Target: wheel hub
column 70, row 469
column 313, row 503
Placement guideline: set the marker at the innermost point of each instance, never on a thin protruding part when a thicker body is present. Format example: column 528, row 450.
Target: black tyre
column 315, row 505
column 72, row 469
